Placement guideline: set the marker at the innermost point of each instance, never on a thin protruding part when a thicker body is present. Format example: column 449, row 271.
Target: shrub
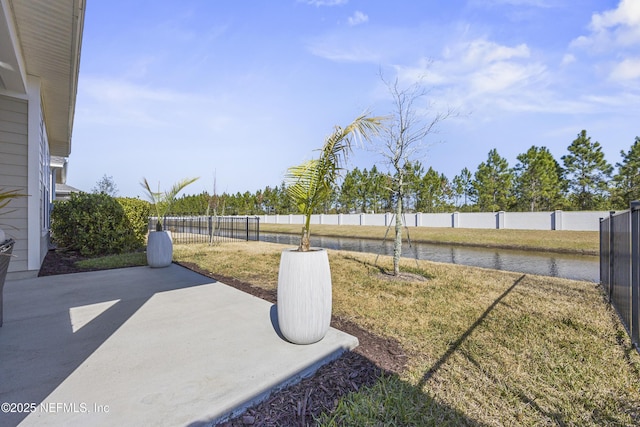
column 137, row 212
column 93, row 224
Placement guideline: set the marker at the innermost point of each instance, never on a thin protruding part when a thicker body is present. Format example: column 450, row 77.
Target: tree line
column 581, row 180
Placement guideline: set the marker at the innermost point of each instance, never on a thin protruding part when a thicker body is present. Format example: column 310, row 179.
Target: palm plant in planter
column 6, row 196
column 304, row 278
column 6, row 245
column 159, row 243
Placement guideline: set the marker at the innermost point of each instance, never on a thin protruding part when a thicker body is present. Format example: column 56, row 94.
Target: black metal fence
column 620, row 266
column 209, row 229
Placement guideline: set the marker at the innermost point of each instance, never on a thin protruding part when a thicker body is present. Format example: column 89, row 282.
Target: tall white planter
column 304, row 295
column 159, row 249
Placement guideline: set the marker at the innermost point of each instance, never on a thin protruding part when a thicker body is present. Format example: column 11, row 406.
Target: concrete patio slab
column 141, row 346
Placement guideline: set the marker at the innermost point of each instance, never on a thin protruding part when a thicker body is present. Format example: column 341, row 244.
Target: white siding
column 13, row 174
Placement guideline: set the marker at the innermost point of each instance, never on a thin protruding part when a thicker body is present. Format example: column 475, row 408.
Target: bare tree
column 106, row 185
column 403, row 140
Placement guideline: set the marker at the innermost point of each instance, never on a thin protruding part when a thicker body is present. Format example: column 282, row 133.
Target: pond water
column 576, row 267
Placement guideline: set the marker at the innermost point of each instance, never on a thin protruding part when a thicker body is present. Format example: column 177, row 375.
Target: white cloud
column 485, row 76
column 614, row 38
column 613, row 28
column 628, row 69
column 503, row 76
column 353, row 53
column 568, row 59
column 627, row 14
column 358, row 18
column 481, row 52
column 123, row 103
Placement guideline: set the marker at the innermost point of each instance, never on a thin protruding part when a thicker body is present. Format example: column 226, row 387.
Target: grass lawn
column 486, row 347
column 115, row 261
column 581, row 242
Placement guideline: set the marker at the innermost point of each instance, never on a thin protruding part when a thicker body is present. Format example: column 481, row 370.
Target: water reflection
column 577, row 267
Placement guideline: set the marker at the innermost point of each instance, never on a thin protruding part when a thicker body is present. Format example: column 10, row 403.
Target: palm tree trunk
column 305, row 243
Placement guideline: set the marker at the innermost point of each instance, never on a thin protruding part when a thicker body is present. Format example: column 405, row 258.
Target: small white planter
column 304, row 295
column 159, row 249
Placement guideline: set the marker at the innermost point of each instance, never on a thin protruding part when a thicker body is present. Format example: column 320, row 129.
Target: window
column 45, row 176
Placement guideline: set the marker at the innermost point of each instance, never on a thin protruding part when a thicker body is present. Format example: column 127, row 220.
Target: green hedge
column 137, row 212
column 98, row 224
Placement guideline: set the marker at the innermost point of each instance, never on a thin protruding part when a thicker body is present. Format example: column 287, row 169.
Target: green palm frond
column 311, row 183
column 162, row 201
column 154, row 196
column 171, row 194
column 7, row 195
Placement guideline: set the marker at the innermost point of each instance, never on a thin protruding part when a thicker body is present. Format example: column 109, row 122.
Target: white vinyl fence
column 555, row 220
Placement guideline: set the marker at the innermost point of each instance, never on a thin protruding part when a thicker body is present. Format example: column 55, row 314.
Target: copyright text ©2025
column 53, row 407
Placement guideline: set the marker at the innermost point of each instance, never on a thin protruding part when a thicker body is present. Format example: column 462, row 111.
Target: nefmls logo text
column 73, row 408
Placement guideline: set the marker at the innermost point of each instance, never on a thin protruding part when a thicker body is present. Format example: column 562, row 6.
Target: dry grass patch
column 254, row 262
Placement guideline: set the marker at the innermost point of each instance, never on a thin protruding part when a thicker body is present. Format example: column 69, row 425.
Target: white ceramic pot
column 159, row 249
column 304, row 295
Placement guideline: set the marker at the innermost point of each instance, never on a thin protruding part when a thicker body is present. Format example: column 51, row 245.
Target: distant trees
column 493, row 184
column 462, row 188
column 434, row 193
column 627, row 180
column 587, row 173
column 106, row 185
column 537, row 182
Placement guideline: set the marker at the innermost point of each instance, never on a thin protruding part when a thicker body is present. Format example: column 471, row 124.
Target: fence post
column 247, row 227
column 611, row 257
column 635, row 273
column 500, row 220
column 557, row 220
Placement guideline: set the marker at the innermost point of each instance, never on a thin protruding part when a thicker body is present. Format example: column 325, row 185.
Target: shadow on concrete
column 53, row 324
column 273, row 315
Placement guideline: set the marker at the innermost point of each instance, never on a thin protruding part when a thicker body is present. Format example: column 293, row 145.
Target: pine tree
column 587, row 172
column 463, row 187
column 537, row 181
column 627, row 180
column 493, row 184
column 433, row 194
column 348, row 191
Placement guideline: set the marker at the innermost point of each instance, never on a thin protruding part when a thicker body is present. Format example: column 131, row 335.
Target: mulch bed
column 301, row 403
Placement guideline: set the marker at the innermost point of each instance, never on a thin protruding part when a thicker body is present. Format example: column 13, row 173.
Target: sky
column 237, row 91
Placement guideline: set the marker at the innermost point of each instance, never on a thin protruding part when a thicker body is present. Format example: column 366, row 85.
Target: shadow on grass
column 456, row 345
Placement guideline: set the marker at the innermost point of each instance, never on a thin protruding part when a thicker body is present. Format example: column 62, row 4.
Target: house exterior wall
column 24, row 166
column 13, row 174
column 39, row 179
column 40, row 47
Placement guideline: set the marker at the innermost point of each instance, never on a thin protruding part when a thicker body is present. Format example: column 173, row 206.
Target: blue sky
column 241, row 89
